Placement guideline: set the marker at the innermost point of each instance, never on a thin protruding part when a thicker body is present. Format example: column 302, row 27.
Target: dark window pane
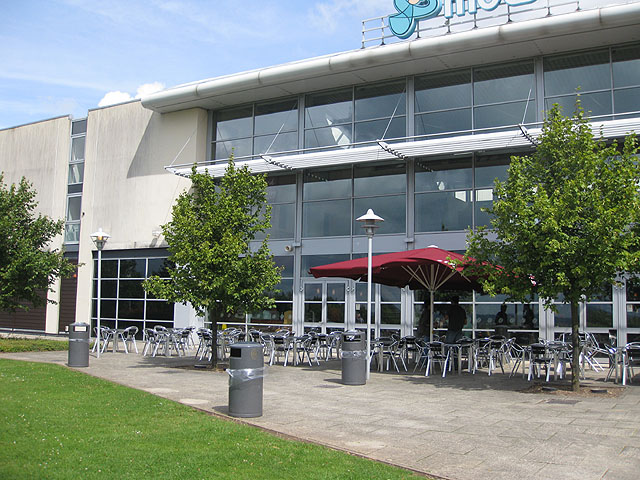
column 74, row 208
column 313, row 312
column 239, row 148
column 381, row 129
column 77, row 149
column 504, row 83
column 633, row 316
column 109, row 269
column 489, row 168
column 626, row 66
column 159, row 311
column 109, row 289
column 335, row 312
column 274, row 117
column 441, row 122
column 326, row 219
column 599, row 316
column 379, row 180
column 282, row 142
column 286, row 263
column 131, row 289
column 443, row 91
column 281, row 189
column 283, row 218
column 449, row 174
column 78, row 127
column 390, row 294
column 131, row 309
column 587, row 71
column 443, row 211
column 633, row 289
column 233, row 123
column 377, row 101
column 107, row 308
column 391, row 208
column 562, row 318
column 335, row 292
column 159, row 267
column 592, row 103
column 325, row 184
column 627, row 100
column 134, row 268
column 328, row 108
column 504, row 114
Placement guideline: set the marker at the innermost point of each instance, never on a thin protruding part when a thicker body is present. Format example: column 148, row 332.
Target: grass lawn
column 14, row 345
column 56, row 423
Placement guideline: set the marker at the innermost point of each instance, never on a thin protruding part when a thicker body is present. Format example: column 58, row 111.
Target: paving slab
column 462, row 427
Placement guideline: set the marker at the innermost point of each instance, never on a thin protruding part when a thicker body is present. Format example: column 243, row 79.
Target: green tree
column 214, row 268
column 564, row 222
column 28, row 267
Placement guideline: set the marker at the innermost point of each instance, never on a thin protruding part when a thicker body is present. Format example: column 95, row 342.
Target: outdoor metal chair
column 631, row 359
column 129, row 338
column 437, row 354
column 539, row 357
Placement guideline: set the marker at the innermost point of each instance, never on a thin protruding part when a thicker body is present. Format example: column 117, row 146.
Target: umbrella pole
column 431, row 317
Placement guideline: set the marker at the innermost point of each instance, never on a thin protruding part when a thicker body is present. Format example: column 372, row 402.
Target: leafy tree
column 564, row 223
column 28, row 268
column 214, row 269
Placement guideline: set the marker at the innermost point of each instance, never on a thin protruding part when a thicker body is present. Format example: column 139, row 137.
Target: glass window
column 592, row 103
column 286, row 263
column 281, row 189
column 76, row 173
column 381, row 129
column 158, row 310
column 587, row 71
column 72, row 233
column 391, row 208
column 283, row 220
column 133, row 268
column 504, row 114
column 328, row 108
column 77, row 149
column 328, row 218
column 109, row 268
column 79, row 127
column 443, row 211
column 488, row 168
column 309, row 261
column 379, row 180
column 599, row 316
column 131, row 289
column 484, row 199
column 159, row 267
column 74, row 208
column 337, row 135
column 282, row 142
column 438, row 175
column 234, row 123
column 442, row 122
column 239, row 148
column 325, row 184
column 503, row 83
column 626, row 66
column 379, row 101
column 627, row 100
column 274, row 117
column 443, row 91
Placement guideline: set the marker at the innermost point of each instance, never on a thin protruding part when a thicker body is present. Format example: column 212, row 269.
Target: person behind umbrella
column 424, row 322
column 457, row 319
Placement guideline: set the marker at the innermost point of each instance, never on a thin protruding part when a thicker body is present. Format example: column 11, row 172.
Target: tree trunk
column 575, row 347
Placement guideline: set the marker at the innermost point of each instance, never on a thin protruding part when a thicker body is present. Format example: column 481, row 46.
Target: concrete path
column 467, row 427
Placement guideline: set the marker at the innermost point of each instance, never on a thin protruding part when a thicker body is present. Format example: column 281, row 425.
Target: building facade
column 417, row 130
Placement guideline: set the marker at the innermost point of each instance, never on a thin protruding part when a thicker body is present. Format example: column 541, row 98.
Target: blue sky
column 60, row 57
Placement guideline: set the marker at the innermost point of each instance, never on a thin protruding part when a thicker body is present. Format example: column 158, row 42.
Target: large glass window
column 263, row 128
column 443, row 199
column 281, row 196
column 488, row 169
column 443, row 103
column 626, row 79
column 326, row 208
column 587, row 74
column 328, row 119
column 75, row 180
column 124, row 302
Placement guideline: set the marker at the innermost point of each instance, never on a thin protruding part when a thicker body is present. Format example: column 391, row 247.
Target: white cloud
column 115, row 97
column 112, row 98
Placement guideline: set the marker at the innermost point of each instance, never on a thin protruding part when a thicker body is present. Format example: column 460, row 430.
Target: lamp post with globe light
column 99, row 238
column 369, row 222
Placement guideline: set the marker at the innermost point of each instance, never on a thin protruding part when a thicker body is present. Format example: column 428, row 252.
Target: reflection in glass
column 326, row 184
column 381, row 129
column 335, row 292
column 390, row 313
column 562, row 318
column 592, row 103
column 72, row 233
column 313, row 292
column 313, row 312
column 233, row 123
column 335, row 312
column 77, row 149
column 76, row 173
column 438, row 175
column 490, row 168
column 281, row 189
column 504, row 114
column 159, row 310
column 286, row 263
column 599, row 316
column 379, row 180
column 336, row 135
column 443, row 211
column 503, row 83
column 627, row 100
column 282, row 222
column 159, row 267
column 309, row 261
column 391, row 208
column 282, row 142
column 633, row 316
column 131, row 289
column 587, row 71
column 378, row 101
column 239, row 148
column 329, row 108
column 131, row 309
column 73, row 208
column 330, row 218
column 283, row 290
column 133, row 268
column 441, row 122
column 274, row 117
column 626, row 66
column 484, row 200
column 109, row 269
column 443, row 91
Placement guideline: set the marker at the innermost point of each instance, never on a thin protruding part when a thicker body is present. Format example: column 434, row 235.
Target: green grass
column 14, row 345
column 56, row 423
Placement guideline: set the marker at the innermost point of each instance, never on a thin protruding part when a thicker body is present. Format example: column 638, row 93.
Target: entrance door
column 325, row 304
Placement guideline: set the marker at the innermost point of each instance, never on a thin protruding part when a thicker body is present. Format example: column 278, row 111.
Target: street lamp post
column 369, row 222
column 99, row 238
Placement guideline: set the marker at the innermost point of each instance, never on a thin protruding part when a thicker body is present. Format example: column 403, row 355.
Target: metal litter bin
column 79, row 344
column 354, row 359
column 246, row 373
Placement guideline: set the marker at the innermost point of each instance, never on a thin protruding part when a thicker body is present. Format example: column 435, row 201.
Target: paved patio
column 460, row 427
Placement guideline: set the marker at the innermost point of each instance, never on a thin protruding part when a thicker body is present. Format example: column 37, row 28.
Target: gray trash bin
column 79, row 344
column 354, row 358
column 246, row 373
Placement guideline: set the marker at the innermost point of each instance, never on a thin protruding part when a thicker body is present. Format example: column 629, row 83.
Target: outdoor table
column 556, row 349
column 457, row 349
column 116, row 333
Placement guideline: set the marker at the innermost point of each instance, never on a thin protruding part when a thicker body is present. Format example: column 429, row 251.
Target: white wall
column 40, row 152
column 126, row 190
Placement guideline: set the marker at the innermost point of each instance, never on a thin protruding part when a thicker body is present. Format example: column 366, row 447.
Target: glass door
column 325, row 305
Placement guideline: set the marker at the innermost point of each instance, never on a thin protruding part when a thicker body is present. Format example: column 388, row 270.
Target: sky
column 64, row 57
